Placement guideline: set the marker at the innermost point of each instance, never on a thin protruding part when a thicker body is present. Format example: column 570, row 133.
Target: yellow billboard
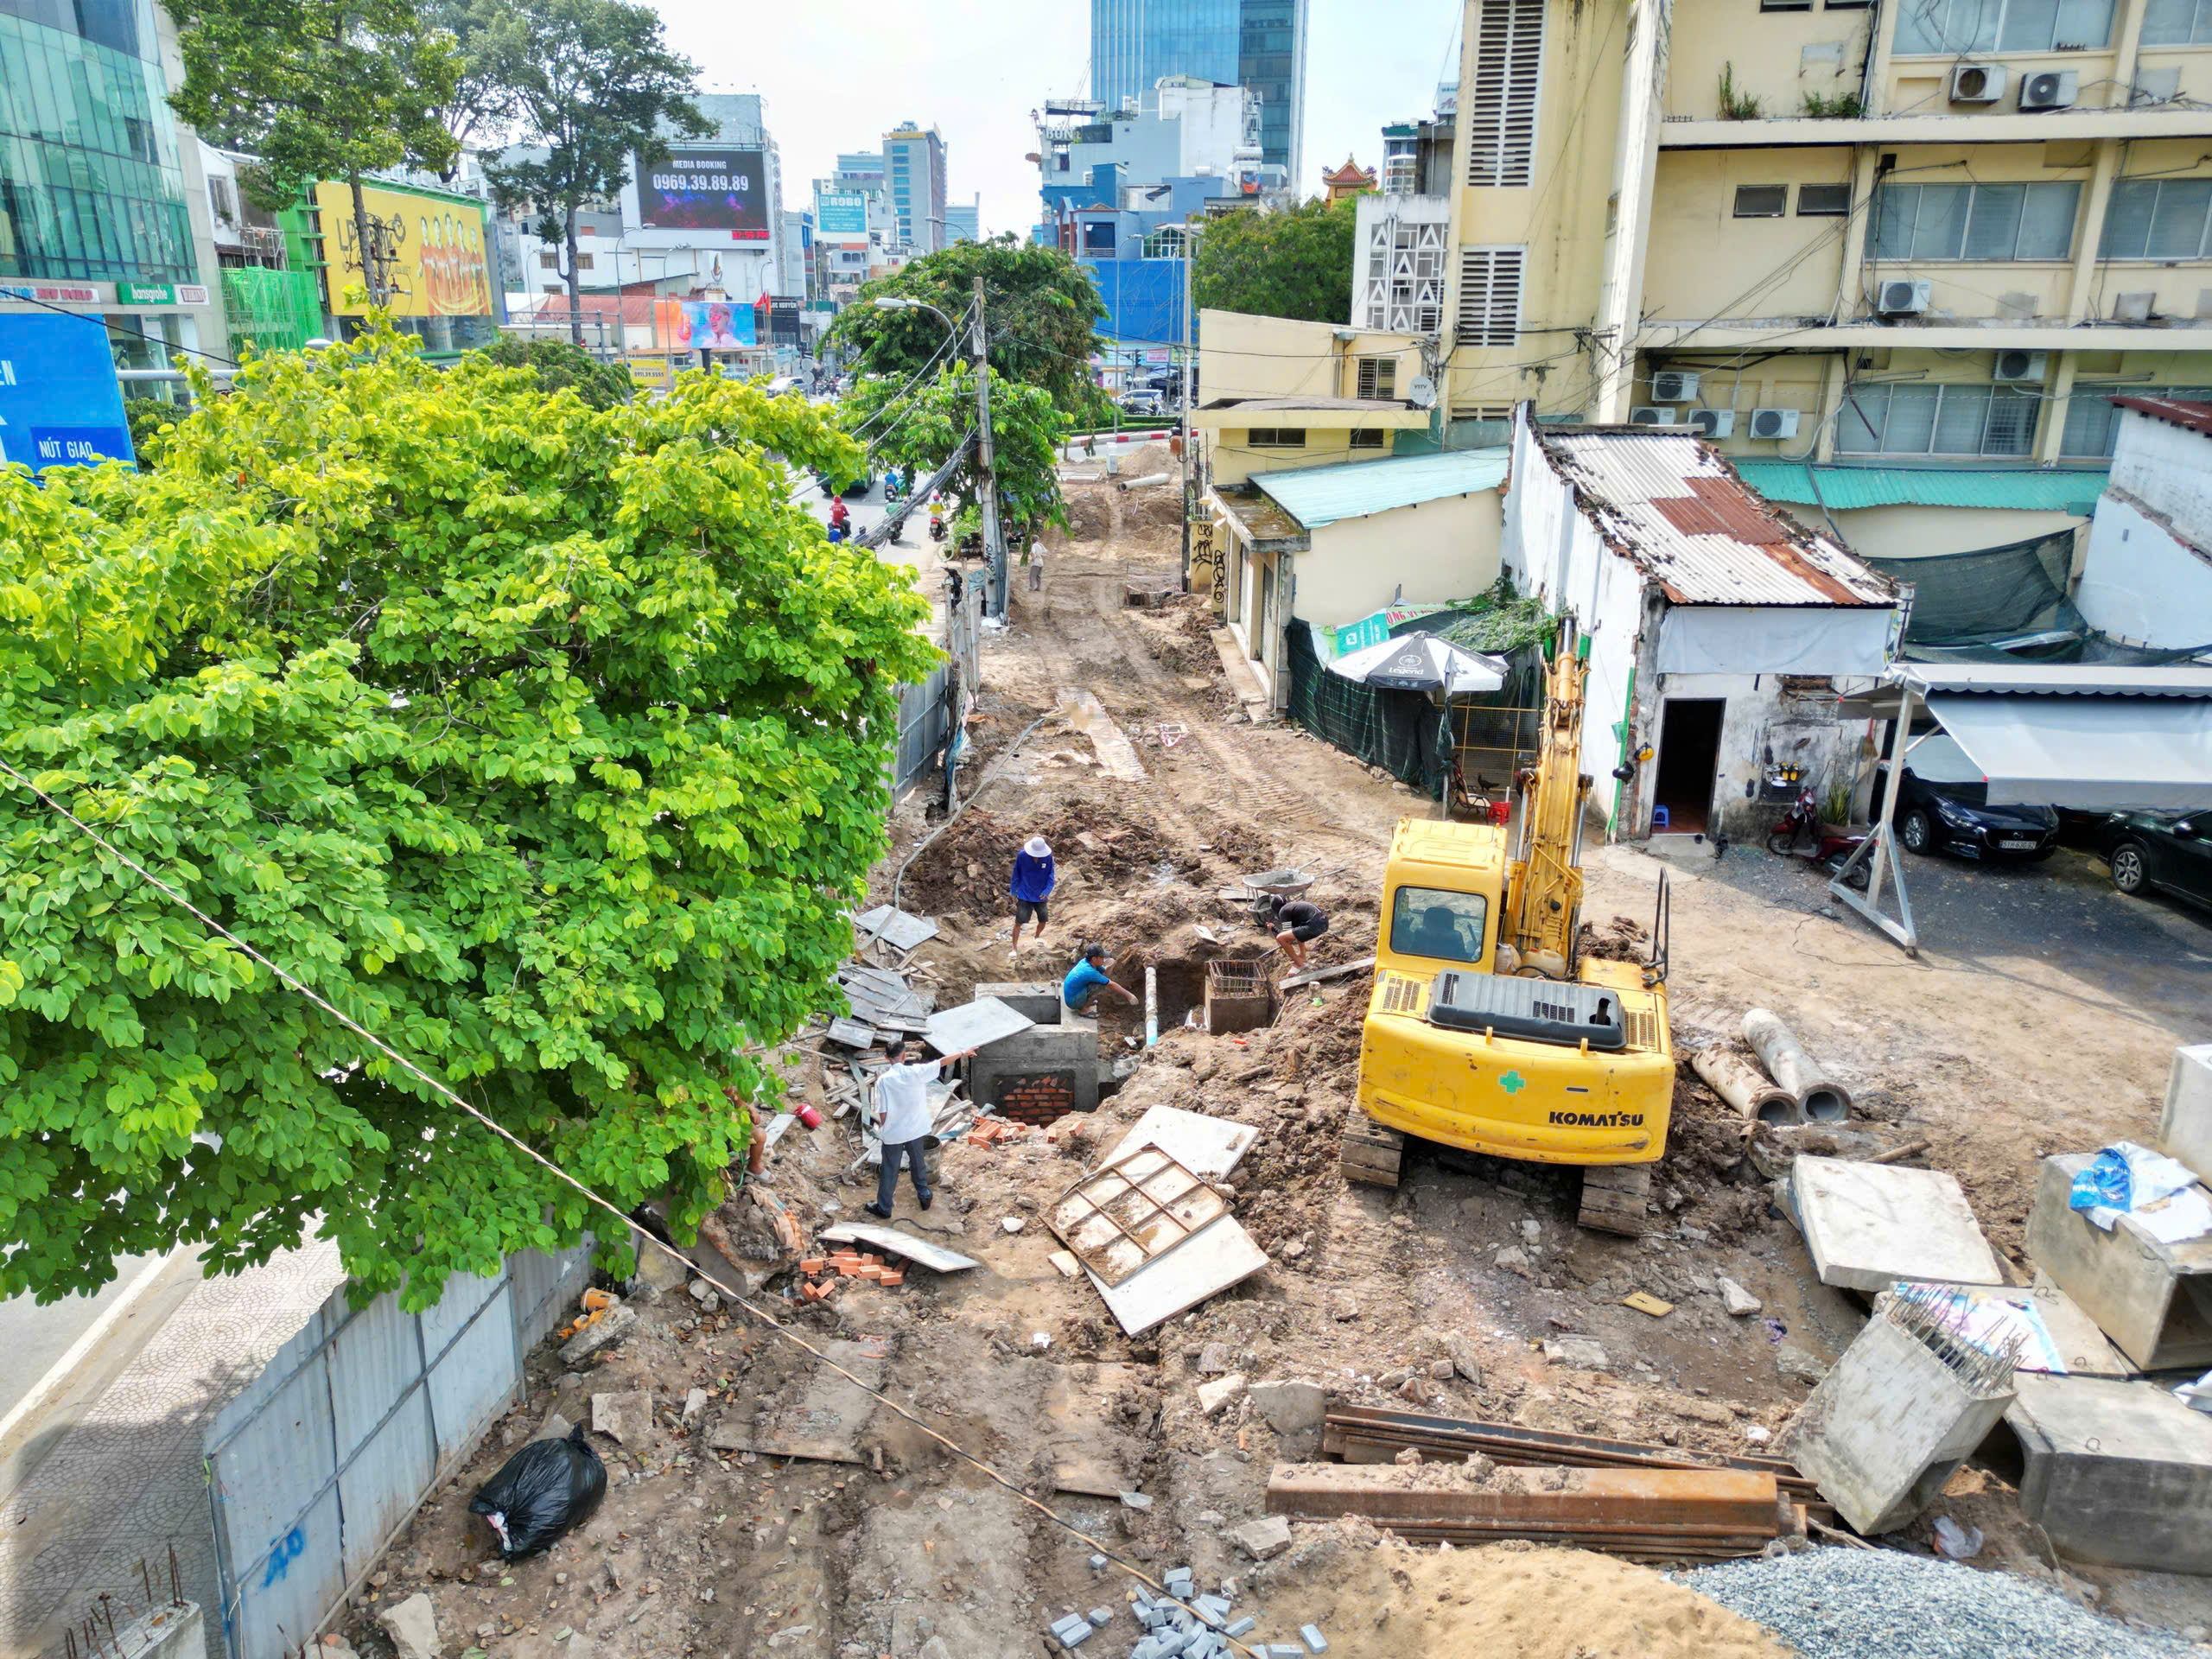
column 430, row 249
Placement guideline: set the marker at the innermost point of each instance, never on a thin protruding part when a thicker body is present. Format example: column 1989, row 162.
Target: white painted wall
column 2169, row 469
column 1435, row 551
column 1210, row 127
column 2141, row 582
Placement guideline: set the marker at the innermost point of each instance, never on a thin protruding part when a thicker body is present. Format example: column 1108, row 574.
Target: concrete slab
column 975, row 1025
column 2154, row 1299
column 1208, row 1147
column 894, row 927
column 2061, row 1339
column 2117, row 1473
column 2185, row 1130
column 1869, row 1225
column 1117, row 756
column 1204, row 1266
column 891, row 1242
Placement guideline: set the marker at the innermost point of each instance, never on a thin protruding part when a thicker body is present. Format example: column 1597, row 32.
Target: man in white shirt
column 901, row 1122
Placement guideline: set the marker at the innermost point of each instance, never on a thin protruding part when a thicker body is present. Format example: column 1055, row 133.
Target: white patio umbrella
column 1422, row 662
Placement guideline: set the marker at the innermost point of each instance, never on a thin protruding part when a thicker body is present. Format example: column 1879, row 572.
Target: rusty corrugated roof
column 2197, row 417
column 1679, row 511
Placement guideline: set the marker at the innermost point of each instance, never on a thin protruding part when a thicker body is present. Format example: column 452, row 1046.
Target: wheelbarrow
column 1271, row 885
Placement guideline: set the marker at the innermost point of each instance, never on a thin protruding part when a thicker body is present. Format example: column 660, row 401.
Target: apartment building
column 1941, row 235
column 914, row 169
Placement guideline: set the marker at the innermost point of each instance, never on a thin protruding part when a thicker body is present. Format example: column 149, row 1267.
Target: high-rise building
column 963, row 221
column 913, row 163
column 103, row 209
column 1256, row 44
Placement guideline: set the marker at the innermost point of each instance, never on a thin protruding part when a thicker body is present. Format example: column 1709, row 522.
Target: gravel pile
column 1858, row 1603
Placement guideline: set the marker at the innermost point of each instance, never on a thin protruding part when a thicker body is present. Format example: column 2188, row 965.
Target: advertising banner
column 431, row 249
column 717, row 190
column 710, row 325
column 840, row 216
column 60, row 405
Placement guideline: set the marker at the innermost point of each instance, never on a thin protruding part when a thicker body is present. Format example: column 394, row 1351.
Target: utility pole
column 986, row 476
column 1190, row 261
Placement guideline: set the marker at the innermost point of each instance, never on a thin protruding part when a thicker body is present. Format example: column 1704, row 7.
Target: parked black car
column 1944, row 808
column 2171, row 851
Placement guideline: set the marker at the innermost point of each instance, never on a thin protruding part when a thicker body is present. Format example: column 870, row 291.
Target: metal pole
column 1189, row 262
column 993, row 536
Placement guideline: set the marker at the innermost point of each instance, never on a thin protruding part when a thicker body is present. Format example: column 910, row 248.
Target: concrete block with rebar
column 1908, row 1401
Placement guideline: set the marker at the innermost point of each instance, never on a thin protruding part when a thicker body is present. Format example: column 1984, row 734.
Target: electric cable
column 645, row 1237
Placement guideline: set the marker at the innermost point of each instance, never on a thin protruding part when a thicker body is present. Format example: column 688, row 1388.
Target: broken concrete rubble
column 412, row 1624
column 626, row 1418
column 1738, row 1302
column 1263, row 1539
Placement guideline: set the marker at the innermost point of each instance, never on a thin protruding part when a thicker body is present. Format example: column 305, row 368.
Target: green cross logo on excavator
column 1513, row 1083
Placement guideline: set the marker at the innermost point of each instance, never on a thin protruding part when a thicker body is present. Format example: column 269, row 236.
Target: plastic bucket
column 808, row 1116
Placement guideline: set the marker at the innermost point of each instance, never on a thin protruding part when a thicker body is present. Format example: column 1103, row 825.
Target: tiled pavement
column 125, row 1481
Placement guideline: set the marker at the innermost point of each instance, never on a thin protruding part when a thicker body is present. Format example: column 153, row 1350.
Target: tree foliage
column 596, row 87
column 492, row 42
column 316, row 90
column 1040, row 307
column 921, row 427
column 1295, row 263
column 558, row 364
column 546, row 741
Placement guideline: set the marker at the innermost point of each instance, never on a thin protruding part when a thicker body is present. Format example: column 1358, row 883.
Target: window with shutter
column 1489, row 295
column 1378, row 377
column 1500, row 106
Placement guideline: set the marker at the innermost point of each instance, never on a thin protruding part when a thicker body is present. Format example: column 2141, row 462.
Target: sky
column 838, row 74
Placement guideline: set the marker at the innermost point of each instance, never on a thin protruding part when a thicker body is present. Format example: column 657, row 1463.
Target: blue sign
column 60, row 405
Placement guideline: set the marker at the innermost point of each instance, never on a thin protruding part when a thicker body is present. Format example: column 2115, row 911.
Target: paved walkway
column 124, row 1481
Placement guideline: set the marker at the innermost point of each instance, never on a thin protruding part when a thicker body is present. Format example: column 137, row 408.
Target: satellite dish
column 1421, row 391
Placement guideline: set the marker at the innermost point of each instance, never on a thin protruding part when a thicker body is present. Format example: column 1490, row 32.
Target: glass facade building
column 91, row 186
column 1256, row 44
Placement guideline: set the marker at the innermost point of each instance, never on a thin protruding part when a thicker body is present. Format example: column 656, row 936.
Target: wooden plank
column 1208, row 1264
column 1208, row 1147
column 1615, row 1198
column 1319, row 975
column 893, row 1242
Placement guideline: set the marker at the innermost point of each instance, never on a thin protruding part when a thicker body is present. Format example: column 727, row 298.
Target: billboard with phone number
column 723, row 191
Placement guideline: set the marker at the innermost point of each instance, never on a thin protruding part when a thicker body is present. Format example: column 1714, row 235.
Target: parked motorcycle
column 1800, row 834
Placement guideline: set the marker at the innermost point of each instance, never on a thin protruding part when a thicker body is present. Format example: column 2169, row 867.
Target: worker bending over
column 1080, row 989
column 1298, row 923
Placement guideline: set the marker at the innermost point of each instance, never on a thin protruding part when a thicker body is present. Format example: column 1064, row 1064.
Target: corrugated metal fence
column 925, row 711
column 314, row 1465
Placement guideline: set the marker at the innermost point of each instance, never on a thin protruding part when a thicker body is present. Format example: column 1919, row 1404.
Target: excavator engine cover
column 1540, row 1010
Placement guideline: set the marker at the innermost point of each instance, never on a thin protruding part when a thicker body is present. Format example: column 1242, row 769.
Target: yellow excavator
column 1486, row 1030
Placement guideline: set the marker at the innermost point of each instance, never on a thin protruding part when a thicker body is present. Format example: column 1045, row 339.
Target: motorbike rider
column 936, row 519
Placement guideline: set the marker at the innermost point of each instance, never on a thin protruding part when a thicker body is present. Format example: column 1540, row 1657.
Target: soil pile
column 968, row 867
column 1376, row 1599
column 1620, row 939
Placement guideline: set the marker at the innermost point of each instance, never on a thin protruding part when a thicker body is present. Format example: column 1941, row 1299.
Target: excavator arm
column 1545, row 904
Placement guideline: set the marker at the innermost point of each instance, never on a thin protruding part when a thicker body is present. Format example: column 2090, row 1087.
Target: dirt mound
column 1322, row 1044
column 967, row 868
column 1374, row 1596
column 1090, row 519
column 1621, row 939
column 1243, row 846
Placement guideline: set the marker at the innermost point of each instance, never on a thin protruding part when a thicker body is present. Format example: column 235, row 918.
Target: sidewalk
column 122, row 1478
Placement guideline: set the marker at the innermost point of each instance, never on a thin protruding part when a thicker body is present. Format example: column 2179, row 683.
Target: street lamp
column 890, row 304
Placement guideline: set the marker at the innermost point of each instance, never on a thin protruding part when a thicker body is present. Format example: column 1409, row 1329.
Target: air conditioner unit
column 2049, row 89
column 1673, row 386
column 1978, row 83
column 1903, row 296
column 2019, row 366
column 1774, row 424
column 1649, row 414
column 1713, row 422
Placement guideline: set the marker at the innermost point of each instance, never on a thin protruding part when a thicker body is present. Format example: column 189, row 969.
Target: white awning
column 2104, row 753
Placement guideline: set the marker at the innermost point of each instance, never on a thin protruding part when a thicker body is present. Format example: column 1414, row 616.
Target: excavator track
column 1371, row 1153
column 1615, row 1199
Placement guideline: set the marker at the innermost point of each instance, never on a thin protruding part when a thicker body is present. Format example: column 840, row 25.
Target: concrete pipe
column 1825, row 1100
column 1742, row 1084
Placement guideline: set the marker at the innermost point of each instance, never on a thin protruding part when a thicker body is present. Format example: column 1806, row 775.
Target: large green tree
column 598, row 91
column 492, row 42
column 915, row 430
column 1295, row 261
column 1040, row 308
column 320, row 89
column 546, row 741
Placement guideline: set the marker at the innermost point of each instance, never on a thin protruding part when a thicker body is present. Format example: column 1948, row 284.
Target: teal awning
column 1321, row 495
column 2073, row 489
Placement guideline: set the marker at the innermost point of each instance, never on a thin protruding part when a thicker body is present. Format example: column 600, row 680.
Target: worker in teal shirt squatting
column 1080, row 989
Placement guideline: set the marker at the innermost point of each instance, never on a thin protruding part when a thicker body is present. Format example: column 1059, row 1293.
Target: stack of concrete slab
column 1868, row 1226
column 2151, row 1296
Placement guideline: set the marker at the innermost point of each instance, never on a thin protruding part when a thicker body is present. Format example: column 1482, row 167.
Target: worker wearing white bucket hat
column 1031, row 888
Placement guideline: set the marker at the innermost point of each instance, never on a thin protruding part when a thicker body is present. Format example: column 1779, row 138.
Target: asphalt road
column 32, row 1338
column 2155, row 950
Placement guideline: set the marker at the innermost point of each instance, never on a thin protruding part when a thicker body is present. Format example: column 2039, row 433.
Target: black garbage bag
column 540, row 1492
